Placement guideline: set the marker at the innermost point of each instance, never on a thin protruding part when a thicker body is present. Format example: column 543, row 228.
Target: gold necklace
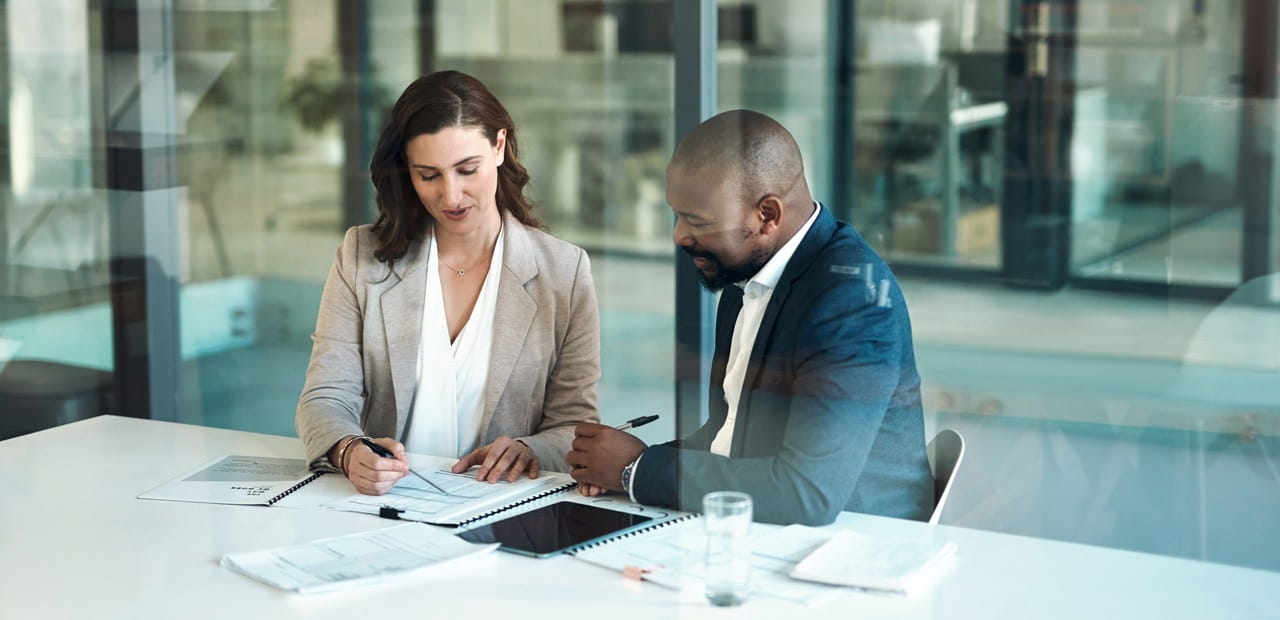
column 460, row 272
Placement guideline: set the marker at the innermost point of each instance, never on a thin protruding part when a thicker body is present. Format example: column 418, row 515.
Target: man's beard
column 724, row 276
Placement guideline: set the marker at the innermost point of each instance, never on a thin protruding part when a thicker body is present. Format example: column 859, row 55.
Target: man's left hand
column 600, row 453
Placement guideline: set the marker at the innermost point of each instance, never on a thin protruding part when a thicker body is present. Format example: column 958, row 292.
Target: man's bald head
column 736, row 185
column 748, row 149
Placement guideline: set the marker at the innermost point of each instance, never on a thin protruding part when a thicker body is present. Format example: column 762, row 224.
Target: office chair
column 916, row 100
column 903, row 115
column 39, row 394
column 945, row 451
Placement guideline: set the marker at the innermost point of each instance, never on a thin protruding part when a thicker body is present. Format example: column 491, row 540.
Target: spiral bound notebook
column 467, row 502
column 244, row 480
column 274, row 481
column 672, row 554
column 665, row 519
column 566, row 525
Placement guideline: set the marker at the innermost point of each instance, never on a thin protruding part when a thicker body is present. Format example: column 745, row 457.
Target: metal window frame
column 694, row 23
column 138, row 143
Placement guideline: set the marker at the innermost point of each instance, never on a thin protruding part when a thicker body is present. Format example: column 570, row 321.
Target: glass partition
column 1078, row 197
column 589, row 85
column 1119, row 142
column 56, row 334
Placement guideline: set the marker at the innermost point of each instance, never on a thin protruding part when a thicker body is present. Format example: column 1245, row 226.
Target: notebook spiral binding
column 295, row 487
column 547, row 493
column 656, row 526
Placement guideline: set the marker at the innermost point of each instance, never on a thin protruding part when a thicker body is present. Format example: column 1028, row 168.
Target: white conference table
column 75, row 543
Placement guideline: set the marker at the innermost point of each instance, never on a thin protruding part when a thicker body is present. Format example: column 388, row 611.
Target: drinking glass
column 727, row 515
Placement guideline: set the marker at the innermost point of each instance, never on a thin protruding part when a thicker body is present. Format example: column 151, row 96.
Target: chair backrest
column 945, row 452
column 904, row 93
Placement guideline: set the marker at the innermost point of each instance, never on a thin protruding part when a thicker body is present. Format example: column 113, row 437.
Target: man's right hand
column 372, row 474
column 590, row 490
column 599, row 453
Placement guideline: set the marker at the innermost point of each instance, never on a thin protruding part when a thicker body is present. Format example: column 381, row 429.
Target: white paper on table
column 894, row 564
column 237, row 479
column 467, row 498
column 674, row 557
column 353, row 560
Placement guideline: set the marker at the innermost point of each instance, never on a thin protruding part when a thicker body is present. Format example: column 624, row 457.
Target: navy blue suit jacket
column 829, row 418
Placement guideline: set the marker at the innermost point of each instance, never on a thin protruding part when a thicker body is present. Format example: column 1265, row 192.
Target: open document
column 674, row 555
column 893, row 564
column 464, row 499
column 352, row 560
column 237, row 479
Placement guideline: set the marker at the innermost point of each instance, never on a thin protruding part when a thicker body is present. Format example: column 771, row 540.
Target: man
column 815, row 398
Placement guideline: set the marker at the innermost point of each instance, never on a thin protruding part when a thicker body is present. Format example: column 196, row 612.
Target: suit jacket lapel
column 808, row 250
column 402, row 307
column 514, row 315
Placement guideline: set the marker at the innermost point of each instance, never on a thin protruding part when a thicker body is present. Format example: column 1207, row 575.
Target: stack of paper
column 356, row 559
column 903, row 565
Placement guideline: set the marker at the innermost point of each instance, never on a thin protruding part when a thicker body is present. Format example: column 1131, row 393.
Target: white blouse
column 448, row 400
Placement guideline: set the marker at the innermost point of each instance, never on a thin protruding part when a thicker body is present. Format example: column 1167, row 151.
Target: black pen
column 385, row 453
column 640, row 421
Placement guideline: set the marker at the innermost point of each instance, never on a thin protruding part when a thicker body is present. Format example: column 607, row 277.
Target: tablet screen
column 554, row 528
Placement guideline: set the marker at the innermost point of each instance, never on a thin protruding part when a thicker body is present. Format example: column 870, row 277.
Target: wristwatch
column 626, row 477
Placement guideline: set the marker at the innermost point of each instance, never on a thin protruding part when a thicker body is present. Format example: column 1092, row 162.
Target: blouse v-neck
column 435, row 296
column 448, row 403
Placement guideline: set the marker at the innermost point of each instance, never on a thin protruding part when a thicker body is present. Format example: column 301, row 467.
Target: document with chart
column 464, row 499
column 353, row 560
column 238, row 479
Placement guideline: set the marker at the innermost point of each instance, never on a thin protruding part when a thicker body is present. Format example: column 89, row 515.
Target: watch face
column 626, row 476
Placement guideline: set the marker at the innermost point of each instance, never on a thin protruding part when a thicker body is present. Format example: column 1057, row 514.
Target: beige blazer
column 544, row 365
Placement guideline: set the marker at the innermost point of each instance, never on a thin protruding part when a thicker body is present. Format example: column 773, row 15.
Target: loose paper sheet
column 353, row 560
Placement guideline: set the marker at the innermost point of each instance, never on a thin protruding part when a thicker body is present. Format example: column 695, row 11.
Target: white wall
column 531, row 28
column 468, row 27
column 1168, row 75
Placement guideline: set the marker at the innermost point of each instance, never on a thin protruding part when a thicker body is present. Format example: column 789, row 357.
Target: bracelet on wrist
column 342, row 452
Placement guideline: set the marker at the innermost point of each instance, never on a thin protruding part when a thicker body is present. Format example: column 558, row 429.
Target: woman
column 452, row 323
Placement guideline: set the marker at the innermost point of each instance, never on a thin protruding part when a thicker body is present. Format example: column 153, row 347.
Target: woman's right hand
column 372, row 474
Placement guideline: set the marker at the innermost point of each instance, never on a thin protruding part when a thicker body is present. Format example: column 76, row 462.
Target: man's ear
column 769, row 213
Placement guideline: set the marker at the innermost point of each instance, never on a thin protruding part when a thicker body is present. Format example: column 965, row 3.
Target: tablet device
column 556, row 528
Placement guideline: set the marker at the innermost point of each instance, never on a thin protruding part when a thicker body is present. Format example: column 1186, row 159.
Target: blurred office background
column 1079, row 196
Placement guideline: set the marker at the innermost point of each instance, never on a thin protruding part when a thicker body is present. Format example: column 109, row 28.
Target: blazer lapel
column 808, row 250
column 514, row 315
column 402, row 306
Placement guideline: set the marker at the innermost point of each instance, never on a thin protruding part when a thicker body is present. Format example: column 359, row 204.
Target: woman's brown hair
column 431, row 103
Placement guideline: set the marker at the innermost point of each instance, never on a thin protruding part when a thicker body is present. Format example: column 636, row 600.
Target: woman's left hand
column 505, row 456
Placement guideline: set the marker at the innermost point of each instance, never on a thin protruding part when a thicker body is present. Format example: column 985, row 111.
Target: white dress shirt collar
column 757, row 292
column 769, row 275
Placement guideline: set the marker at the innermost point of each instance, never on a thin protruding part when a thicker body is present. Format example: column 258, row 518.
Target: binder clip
column 387, row 512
